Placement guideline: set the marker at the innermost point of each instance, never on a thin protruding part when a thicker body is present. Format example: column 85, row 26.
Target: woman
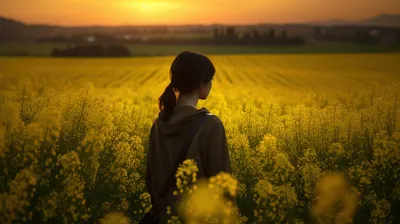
column 191, row 80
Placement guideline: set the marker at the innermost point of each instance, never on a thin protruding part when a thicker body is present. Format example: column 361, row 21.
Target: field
column 45, row 49
column 279, row 75
column 313, row 138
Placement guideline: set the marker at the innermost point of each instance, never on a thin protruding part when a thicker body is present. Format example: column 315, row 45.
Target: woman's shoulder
column 213, row 126
column 212, row 118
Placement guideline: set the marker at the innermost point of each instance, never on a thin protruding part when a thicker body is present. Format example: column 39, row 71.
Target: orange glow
column 172, row 12
column 154, row 7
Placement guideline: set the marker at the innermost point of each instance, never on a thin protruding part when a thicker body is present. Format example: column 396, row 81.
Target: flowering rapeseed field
column 312, row 139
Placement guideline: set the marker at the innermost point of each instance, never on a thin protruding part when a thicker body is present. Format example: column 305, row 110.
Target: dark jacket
column 208, row 148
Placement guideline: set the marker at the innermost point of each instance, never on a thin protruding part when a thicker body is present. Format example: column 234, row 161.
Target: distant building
column 90, row 39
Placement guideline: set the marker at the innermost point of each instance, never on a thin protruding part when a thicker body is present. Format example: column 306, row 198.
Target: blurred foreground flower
column 115, row 218
column 206, row 201
column 336, row 202
column 207, row 205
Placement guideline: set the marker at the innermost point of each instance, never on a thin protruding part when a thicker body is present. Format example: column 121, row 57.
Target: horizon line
column 310, row 23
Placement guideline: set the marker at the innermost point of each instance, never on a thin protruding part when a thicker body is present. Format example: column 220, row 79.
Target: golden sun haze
column 174, row 12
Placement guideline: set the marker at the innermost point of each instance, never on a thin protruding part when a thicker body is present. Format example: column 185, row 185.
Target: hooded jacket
column 208, row 148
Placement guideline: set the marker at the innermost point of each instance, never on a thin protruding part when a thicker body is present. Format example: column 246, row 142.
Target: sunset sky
column 173, row 12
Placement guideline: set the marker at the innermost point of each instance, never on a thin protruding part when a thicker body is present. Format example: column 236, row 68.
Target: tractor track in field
column 124, row 75
column 106, row 72
column 266, row 78
column 226, row 75
column 218, row 79
column 249, row 76
column 246, row 76
column 87, row 73
column 229, row 63
column 285, row 73
column 274, row 75
column 149, row 76
column 163, row 77
column 241, row 73
column 120, row 79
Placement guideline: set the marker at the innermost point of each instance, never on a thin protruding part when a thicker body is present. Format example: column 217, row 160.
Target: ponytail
column 167, row 102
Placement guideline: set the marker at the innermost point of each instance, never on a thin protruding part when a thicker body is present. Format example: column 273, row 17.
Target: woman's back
column 208, row 148
column 191, row 80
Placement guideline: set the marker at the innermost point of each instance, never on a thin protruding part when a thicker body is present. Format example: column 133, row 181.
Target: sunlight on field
column 312, row 139
column 282, row 78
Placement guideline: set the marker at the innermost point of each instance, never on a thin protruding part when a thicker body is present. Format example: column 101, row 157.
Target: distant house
column 90, row 39
column 385, row 36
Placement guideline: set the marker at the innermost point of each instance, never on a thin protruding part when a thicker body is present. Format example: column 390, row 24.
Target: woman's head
column 190, row 73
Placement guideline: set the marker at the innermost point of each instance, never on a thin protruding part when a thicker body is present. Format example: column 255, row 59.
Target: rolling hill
column 383, row 20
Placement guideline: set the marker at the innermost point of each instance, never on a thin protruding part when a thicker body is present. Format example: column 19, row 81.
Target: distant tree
column 398, row 36
column 216, row 33
column 222, row 32
column 246, row 35
column 363, row 37
column 94, row 50
column 56, row 52
column 271, row 33
column 230, row 32
column 317, row 31
column 118, row 51
column 284, row 34
column 256, row 34
column 317, row 34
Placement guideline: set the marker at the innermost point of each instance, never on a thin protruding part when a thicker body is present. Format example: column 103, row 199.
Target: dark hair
column 187, row 71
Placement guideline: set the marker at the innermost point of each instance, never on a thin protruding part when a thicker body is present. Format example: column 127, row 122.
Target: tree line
column 92, row 50
column 230, row 36
column 221, row 36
